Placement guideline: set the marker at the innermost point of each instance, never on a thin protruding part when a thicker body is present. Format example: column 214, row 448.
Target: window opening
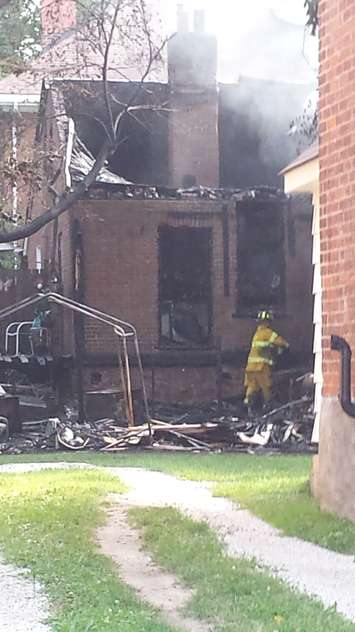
column 260, row 257
column 185, row 285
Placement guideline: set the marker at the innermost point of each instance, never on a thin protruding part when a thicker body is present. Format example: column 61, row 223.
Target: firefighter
column 258, row 372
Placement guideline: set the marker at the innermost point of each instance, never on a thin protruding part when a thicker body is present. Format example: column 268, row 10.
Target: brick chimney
column 182, row 19
column 57, row 16
column 192, row 56
column 193, row 122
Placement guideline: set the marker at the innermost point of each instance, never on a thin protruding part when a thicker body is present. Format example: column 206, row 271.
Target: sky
column 226, row 15
column 236, row 21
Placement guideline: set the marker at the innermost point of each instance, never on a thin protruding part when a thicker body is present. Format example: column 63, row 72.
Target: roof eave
column 310, row 154
column 19, row 102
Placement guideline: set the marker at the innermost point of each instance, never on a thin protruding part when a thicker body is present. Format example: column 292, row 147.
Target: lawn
column 46, row 525
column 231, row 594
column 273, row 487
column 50, row 520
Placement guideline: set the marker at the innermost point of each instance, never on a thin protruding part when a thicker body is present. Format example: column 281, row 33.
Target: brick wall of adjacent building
column 337, row 178
column 57, row 15
column 334, row 471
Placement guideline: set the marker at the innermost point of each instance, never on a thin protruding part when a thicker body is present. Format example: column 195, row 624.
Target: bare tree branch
column 104, row 72
column 152, row 59
column 66, row 201
column 109, row 122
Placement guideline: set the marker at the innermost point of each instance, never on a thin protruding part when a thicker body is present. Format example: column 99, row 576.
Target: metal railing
column 18, row 330
column 125, row 332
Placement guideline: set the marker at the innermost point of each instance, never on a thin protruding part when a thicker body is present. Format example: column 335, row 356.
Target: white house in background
column 302, row 175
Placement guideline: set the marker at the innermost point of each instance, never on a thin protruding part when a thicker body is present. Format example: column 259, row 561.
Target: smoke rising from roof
column 266, row 39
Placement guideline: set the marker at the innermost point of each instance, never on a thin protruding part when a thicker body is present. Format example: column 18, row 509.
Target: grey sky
column 247, row 36
column 225, row 15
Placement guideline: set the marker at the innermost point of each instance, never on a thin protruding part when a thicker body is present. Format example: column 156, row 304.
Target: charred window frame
column 185, row 293
column 261, row 260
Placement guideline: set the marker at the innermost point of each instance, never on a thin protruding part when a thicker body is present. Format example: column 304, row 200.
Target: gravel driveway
column 23, row 605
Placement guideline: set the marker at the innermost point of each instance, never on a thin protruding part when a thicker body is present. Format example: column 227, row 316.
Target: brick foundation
column 172, row 385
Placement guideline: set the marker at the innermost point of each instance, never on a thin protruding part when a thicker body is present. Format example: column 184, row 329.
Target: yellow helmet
column 265, row 315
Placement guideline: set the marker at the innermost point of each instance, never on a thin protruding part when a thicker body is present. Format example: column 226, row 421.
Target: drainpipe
column 340, row 344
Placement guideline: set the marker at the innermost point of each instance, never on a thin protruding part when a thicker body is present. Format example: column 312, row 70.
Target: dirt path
column 318, row 572
column 120, row 541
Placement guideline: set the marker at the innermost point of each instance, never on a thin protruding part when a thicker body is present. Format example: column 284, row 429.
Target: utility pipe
column 339, row 344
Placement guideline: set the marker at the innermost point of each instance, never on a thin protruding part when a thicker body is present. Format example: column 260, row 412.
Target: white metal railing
column 18, row 331
column 124, row 331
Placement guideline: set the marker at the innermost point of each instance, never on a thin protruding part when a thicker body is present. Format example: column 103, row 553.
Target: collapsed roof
column 253, row 132
column 142, row 155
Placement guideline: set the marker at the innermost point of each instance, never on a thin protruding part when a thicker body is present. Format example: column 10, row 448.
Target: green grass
column 46, row 525
column 234, row 595
column 273, row 487
column 50, row 518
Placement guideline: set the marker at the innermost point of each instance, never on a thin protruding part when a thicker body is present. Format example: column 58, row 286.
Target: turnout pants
column 256, row 381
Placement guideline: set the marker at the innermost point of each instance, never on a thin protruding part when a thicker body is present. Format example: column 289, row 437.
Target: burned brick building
column 185, row 234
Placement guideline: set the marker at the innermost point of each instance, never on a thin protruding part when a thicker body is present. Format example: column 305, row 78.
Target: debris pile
column 116, row 187
column 286, row 428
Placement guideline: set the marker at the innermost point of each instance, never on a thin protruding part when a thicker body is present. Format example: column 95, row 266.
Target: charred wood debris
column 115, row 190
column 207, row 428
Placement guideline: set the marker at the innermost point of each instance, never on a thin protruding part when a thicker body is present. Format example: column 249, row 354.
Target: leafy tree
column 20, row 31
column 305, row 127
column 9, row 261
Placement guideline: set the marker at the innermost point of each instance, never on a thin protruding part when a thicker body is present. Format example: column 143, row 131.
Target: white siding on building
column 317, row 317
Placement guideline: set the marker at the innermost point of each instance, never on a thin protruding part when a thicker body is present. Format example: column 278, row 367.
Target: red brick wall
column 334, row 469
column 193, row 138
column 57, row 15
column 122, row 268
column 337, row 178
column 188, row 385
column 193, row 116
column 121, row 271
